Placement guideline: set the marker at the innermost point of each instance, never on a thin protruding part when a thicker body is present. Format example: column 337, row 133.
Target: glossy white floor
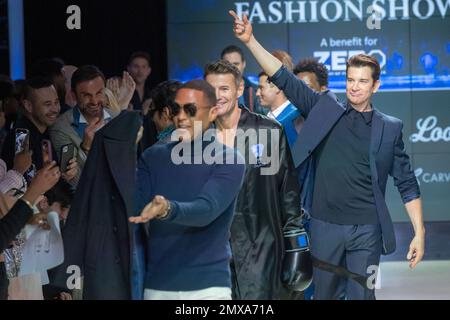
column 429, row 281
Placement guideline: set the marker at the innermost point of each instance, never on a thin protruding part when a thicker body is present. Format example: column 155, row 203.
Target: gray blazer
column 63, row 132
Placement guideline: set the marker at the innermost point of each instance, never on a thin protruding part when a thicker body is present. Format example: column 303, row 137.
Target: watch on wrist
column 28, row 203
column 166, row 213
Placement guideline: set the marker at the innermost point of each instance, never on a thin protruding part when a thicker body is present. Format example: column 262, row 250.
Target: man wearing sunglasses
column 190, row 206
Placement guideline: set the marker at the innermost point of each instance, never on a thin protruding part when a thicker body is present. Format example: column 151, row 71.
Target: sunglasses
column 189, row 108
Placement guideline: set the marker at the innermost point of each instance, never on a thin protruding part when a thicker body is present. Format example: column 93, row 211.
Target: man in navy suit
column 354, row 148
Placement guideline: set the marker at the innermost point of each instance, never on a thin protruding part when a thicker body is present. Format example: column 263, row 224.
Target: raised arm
column 298, row 93
column 243, row 30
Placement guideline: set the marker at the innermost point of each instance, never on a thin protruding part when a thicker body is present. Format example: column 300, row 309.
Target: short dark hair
column 313, row 66
column 163, row 95
column 364, row 60
column 62, row 192
column 264, row 74
column 201, row 85
column 36, row 83
column 232, row 49
column 139, row 54
column 86, row 73
column 47, row 68
column 223, row 67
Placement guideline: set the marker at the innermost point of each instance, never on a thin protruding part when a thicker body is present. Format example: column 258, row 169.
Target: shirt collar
column 166, row 132
column 367, row 116
column 275, row 113
column 106, row 116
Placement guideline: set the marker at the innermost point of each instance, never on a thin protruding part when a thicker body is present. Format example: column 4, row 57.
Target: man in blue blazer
column 354, row 148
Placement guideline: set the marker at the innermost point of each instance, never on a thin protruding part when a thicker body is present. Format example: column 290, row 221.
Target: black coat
column 14, row 221
column 267, row 206
column 96, row 235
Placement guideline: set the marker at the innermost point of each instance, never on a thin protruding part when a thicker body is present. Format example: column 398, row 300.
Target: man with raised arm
column 354, row 147
column 270, row 254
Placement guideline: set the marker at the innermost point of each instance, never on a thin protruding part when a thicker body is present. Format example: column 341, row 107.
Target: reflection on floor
column 429, row 281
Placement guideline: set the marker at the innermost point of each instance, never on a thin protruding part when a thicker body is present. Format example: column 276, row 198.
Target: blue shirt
column 80, row 123
column 190, row 249
column 305, row 172
column 287, row 118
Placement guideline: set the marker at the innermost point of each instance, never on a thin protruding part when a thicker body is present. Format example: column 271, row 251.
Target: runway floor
column 429, row 281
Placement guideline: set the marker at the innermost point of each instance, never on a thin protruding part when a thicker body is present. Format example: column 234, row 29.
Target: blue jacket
column 305, row 172
column 287, row 118
column 387, row 150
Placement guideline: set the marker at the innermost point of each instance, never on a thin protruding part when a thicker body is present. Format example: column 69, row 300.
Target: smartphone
column 22, row 140
column 67, row 153
column 47, row 154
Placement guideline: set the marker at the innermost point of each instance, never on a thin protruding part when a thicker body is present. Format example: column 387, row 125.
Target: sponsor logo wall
column 412, row 44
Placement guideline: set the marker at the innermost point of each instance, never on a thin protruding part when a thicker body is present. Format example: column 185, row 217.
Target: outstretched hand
column 154, row 209
column 242, row 28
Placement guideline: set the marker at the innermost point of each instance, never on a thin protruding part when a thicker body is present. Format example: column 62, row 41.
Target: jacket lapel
column 320, row 121
column 375, row 139
column 377, row 131
column 119, row 143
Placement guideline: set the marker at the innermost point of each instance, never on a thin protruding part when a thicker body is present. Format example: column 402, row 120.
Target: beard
column 93, row 111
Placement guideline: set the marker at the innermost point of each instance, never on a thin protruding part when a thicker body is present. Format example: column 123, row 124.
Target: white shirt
column 106, row 117
column 275, row 113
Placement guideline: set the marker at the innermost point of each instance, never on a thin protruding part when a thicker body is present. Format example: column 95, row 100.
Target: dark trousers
column 4, row 282
column 355, row 247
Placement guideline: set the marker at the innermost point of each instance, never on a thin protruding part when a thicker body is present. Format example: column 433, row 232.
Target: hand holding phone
column 47, row 152
column 22, row 140
column 23, row 162
column 67, row 153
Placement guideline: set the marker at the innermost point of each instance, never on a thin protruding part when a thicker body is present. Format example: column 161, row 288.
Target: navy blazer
column 387, row 150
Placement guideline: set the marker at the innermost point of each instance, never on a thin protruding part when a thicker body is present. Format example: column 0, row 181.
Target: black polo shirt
column 343, row 184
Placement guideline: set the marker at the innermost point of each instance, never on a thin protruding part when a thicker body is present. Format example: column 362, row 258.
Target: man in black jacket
column 268, row 204
column 235, row 56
